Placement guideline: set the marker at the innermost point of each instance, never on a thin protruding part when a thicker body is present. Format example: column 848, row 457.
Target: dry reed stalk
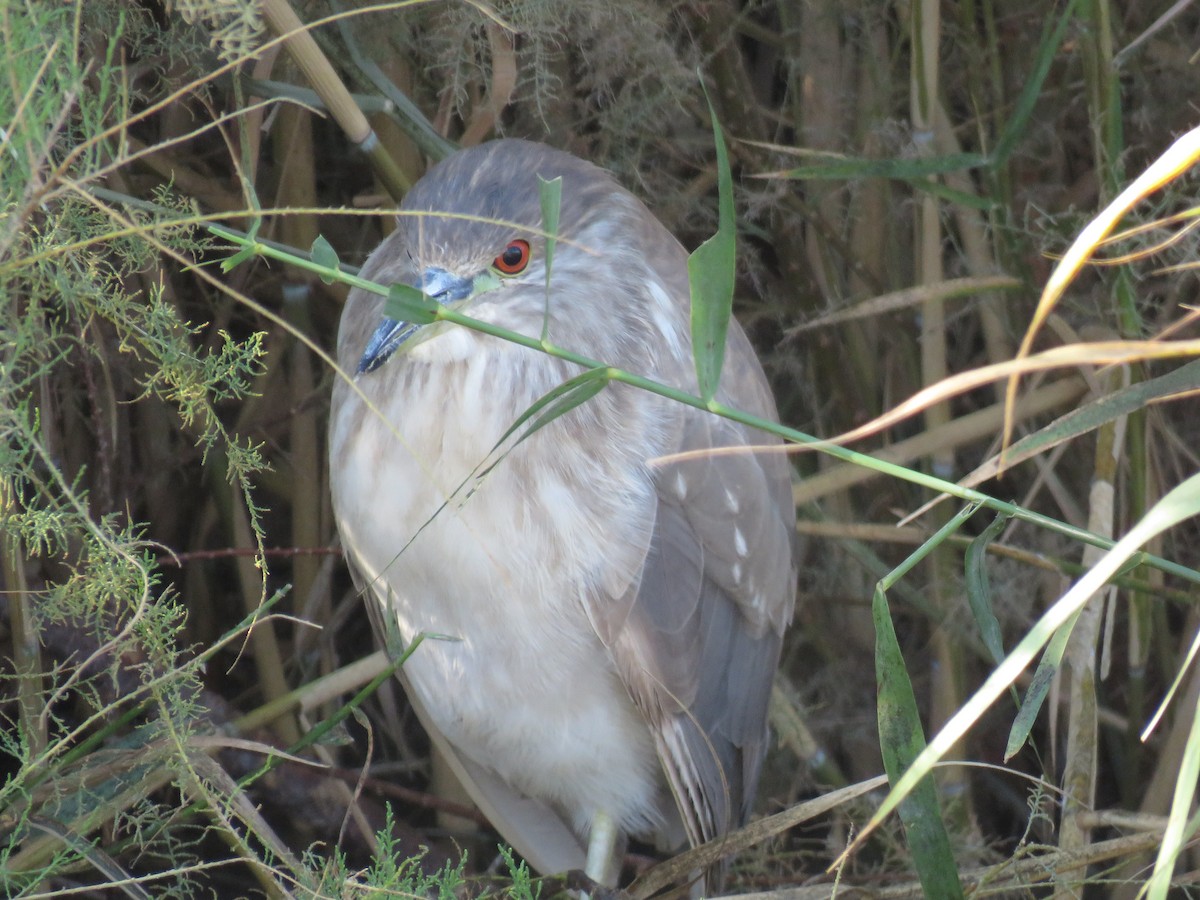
column 1082, row 657
column 949, row 665
column 295, row 160
column 325, row 80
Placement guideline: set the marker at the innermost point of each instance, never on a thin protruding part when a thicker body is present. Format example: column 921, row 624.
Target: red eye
column 514, row 259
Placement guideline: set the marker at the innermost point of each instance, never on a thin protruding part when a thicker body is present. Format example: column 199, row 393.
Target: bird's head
column 470, row 234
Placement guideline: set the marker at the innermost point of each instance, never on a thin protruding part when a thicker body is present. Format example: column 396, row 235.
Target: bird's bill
column 438, row 284
column 387, row 337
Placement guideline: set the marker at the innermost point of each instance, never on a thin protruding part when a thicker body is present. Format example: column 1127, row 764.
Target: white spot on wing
column 731, row 501
column 681, row 487
column 739, row 542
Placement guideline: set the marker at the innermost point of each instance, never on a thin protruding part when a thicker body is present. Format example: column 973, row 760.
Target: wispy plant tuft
column 88, row 333
column 234, row 26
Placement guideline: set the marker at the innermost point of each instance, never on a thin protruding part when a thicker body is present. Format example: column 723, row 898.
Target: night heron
column 615, row 618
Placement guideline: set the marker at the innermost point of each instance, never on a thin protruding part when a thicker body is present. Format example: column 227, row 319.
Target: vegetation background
column 906, row 174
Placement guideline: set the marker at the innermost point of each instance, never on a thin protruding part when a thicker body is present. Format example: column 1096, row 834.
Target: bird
column 604, row 615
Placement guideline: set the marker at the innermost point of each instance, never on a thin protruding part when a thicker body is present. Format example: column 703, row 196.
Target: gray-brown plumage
column 617, row 621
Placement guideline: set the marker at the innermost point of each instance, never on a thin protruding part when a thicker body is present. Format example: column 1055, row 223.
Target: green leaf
column 324, row 255
column 901, row 739
column 950, row 195
column 711, row 276
column 249, row 246
column 407, row 304
column 979, row 593
column 558, row 402
column 1091, row 416
column 843, row 168
column 1017, row 125
column 231, row 263
column 1180, row 503
column 1039, row 687
column 550, row 195
column 1179, row 828
column 555, row 403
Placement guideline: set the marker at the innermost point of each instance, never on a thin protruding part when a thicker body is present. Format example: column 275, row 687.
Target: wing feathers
column 700, row 645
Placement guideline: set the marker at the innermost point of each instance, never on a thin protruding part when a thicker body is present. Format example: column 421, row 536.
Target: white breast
column 501, row 565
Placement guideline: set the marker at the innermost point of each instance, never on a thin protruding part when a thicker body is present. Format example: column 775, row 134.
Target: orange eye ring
column 514, row 259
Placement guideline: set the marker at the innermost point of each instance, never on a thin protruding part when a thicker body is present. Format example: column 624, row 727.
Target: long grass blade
column 711, row 268
column 1181, row 503
column 901, row 740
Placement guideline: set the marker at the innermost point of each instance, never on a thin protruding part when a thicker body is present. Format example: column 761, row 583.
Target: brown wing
column 700, row 633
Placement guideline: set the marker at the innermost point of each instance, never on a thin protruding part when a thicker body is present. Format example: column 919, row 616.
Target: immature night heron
column 617, row 619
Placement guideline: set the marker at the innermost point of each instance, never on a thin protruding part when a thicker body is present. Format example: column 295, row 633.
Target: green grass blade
column 902, row 739
column 955, row 197
column 979, row 592
column 1039, row 687
column 1177, row 832
column 711, row 275
column 843, row 168
column 1180, row 503
column 407, row 304
column 558, row 402
column 323, row 254
column 1111, row 406
column 550, row 197
column 1017, row 125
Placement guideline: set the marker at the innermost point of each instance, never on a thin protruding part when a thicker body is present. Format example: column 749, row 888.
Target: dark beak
column 439, row 284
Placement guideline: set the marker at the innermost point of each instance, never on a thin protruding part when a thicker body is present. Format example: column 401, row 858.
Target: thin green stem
column 791, row 435
column 935, row 540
